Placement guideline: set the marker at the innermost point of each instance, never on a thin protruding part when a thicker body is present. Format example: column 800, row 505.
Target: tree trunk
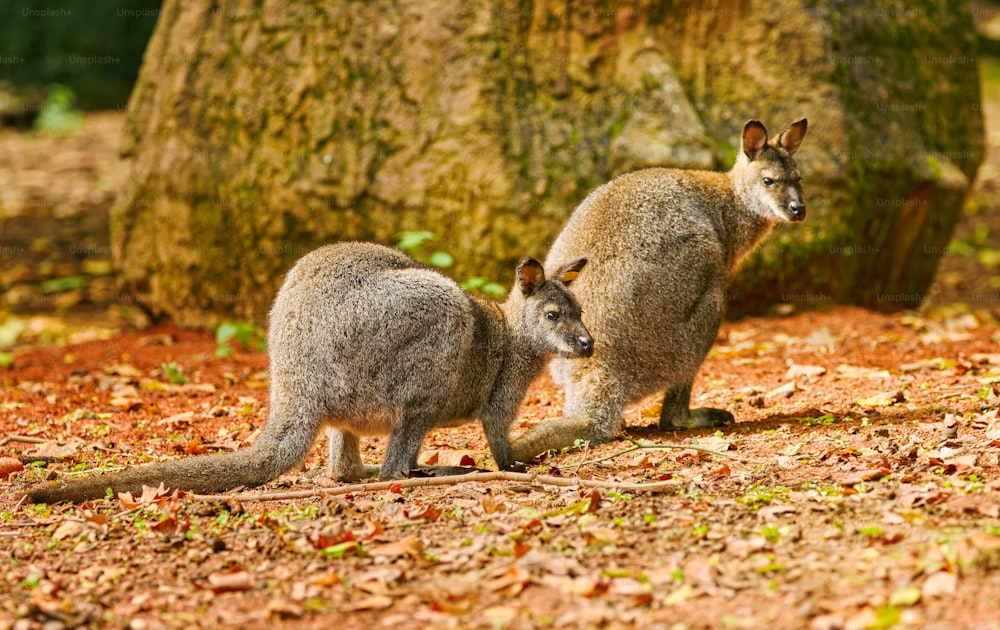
column 259, row 132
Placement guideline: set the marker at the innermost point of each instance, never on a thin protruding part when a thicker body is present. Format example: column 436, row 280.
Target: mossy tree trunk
column 262, row 130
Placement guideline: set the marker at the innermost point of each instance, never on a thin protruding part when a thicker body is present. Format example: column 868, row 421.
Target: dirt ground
column 860, row 487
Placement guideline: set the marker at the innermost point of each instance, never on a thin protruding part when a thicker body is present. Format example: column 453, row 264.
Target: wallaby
column 366, row 340
column 662, row 245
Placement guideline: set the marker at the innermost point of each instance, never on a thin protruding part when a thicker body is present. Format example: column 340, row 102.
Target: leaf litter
column 859, row 488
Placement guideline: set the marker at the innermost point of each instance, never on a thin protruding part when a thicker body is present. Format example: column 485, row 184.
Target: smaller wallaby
column 366, row 340
column 662, row 245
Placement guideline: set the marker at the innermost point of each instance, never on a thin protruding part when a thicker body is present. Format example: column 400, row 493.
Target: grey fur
column 366, row 340
column 662, row 245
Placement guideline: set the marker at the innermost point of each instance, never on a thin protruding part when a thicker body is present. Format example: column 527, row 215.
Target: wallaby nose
column 797, row 210
column 586, row 345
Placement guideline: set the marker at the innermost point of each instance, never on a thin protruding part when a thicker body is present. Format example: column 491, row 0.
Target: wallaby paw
column 701, row 418
column 441, row 471
column 366, row 471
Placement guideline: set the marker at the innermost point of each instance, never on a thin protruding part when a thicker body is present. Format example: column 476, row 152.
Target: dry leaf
column 9, row 466
column 939, row 584
column 511, row 581
column 803, row 371
column 176, row 419
column 409, row 546
column 231, row 582
column 883, row 399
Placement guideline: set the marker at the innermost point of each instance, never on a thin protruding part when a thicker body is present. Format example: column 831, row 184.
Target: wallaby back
column 367, row 340
column 662, row 245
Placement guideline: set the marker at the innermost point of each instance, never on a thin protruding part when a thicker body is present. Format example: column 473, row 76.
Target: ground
column 860, row 487
column 867, row 494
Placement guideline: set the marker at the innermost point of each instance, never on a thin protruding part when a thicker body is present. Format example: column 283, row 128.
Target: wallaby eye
column 552, row 316
column 768, row 181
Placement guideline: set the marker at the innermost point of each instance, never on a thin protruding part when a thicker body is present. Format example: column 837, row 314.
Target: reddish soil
column 869, row 496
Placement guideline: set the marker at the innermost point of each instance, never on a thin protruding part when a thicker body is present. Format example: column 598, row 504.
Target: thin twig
column 547, row 480
column 26, row 438
column 639, row 446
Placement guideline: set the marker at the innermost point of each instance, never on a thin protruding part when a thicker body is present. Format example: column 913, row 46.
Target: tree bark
column 260, row 131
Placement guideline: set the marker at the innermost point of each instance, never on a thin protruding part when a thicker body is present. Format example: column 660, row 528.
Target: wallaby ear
column 530, row 276
column 568, row 272
column 791, row 138
column 754, row 138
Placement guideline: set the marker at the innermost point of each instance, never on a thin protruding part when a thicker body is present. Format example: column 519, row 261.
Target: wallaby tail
column 556, row 433
column 259, row 463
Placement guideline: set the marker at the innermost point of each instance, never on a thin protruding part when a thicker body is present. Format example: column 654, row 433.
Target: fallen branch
column 640, row 446
column 378, row 486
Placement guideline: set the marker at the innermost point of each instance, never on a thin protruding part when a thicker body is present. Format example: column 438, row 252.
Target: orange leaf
column 512, row 581
column 9, row 465
column 429, row 513
column 520, row 548
column 195, row 446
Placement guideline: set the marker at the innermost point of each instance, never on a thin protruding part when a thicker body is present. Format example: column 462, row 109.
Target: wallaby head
column 549, row 313
column 765, row 172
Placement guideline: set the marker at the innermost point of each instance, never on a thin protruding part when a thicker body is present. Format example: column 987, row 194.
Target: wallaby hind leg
column 404, row 446
column 677, row 414
column 344, row 456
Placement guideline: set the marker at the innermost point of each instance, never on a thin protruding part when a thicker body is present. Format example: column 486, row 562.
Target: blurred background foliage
column 51, row 37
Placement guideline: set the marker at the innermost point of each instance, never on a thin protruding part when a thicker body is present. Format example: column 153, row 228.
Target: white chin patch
column 778, row 214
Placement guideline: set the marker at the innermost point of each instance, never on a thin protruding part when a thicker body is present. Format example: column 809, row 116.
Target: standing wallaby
column 662, row 245
column 366, row 340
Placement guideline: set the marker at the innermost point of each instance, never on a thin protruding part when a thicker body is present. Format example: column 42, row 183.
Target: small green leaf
column 679, row 594
column 341, row 549
column 174, row 373
column 494, row 290
column 886, row 617
column 906, row 596
column 442, row 260
column 411, row 241
column 580, row 507
column 59, row 285
column 6, row 359
column 225, row 332
column 10, row 330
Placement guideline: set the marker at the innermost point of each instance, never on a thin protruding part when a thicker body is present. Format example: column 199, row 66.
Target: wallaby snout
column 797, row 211
column 586, row 345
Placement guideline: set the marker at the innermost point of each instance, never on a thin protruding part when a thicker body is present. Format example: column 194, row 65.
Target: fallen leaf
column 785, row 391
column 511, row 581
column 408, row 546
column 284, row 609
column 9, row 466
column 194, row 446
column 122, row 369
column 772, row 511
column 883, row 399
column 430, row 512
column 872, row 474
column 939, row 584
column 906, row 596
column 853, row 371
column 231, row 582
column 804, row 371
column 374, row 602
column 680, row 594
column 180, row 418
column 448, row 457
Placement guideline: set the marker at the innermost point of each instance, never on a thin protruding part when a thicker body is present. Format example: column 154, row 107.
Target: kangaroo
column 365, row 340
column 662, row 245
